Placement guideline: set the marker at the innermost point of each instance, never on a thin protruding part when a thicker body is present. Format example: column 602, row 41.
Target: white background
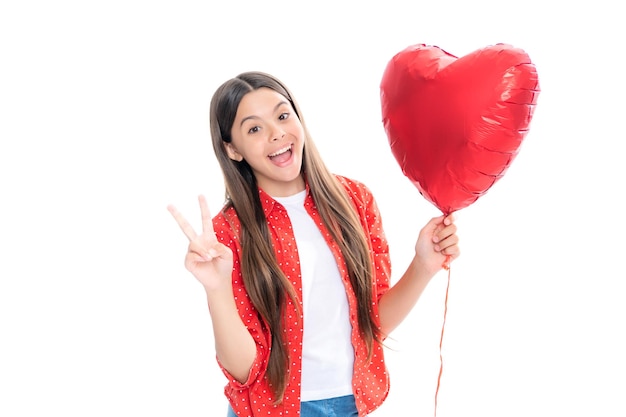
column 104, row 121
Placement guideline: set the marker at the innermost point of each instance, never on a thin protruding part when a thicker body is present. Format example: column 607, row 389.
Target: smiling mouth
column 281, row 155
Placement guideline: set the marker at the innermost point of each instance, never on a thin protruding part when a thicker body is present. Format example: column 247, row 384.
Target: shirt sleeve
column 248, row 314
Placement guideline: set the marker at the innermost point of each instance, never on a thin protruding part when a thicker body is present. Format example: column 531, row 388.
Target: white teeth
column 283, row 150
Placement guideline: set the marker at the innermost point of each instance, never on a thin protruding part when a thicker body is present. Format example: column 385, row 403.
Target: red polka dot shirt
column 370, row 381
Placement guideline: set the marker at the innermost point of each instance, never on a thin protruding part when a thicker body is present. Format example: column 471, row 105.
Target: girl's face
column 268, row 135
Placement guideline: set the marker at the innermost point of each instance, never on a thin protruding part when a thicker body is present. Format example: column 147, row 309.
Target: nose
column 277, row 133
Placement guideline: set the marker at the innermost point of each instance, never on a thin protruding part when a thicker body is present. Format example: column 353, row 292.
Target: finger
column 182, row 223
column 208, row 250
column 433, row 224
column 452, row 252
column 207, row 223
column 450, row 218
column 448, row 245
column 194, row 258
column 442, row 232
column 219, row 250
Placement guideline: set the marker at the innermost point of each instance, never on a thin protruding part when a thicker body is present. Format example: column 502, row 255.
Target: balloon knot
column 446, row 263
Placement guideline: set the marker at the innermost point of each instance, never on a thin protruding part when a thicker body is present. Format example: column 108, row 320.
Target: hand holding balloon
column 437, row 244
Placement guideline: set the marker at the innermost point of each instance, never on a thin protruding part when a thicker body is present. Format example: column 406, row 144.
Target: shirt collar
column 268, row 203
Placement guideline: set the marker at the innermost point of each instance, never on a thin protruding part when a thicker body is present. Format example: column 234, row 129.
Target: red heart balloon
column 455, row 124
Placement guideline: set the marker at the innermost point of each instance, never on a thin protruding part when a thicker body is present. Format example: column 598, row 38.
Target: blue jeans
column 332, row 407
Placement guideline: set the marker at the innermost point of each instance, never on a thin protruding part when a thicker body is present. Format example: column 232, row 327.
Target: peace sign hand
column 207, row 259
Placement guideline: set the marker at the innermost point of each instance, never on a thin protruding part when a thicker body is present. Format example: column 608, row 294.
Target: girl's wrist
column 219, row 292
column 420, row 269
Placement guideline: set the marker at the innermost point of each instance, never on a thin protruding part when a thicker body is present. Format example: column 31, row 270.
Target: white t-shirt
column 327, row 352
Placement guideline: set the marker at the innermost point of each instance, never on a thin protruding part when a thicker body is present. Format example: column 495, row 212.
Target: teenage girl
column 296, row 265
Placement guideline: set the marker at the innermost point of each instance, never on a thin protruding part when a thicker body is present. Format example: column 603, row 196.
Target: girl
column 296, row 265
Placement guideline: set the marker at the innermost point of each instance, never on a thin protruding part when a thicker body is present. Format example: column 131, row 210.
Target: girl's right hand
column 207, row 259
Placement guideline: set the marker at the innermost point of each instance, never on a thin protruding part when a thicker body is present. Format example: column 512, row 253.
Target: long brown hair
column 265, row 283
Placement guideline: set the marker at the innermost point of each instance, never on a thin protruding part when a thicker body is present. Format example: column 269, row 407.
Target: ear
column 232, row 152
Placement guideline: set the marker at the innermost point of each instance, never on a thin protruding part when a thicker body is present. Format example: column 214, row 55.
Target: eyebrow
column 280, row 103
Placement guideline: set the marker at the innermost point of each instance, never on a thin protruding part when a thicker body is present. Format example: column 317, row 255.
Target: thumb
column 219, row 250
column 435, row 222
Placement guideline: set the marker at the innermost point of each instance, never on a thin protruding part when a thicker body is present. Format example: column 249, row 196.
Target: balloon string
column 446, row 266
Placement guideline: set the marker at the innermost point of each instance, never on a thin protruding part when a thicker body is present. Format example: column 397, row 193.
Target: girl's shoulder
column 356, row 189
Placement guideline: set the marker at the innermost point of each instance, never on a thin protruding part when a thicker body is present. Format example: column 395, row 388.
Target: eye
column 253, row 129
column 283, row 116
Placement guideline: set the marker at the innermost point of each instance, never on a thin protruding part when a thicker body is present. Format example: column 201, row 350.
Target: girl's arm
column 436, row 245
column 211, row 262
column 234, row 346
